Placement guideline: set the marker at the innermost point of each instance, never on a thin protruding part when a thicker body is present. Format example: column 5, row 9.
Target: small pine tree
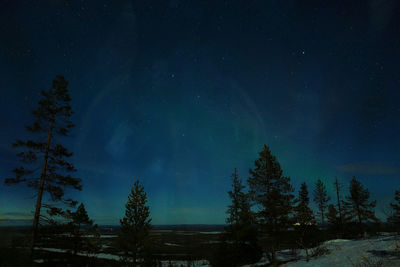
column 135, row 226
column 333, row 216
column 357, row 204
column 303, row 214
column 335, row 225
column 45, row 160
column 395, row 217
column 84, row 234
column 273, row 194
column 321, row 198
column 241, row 232
column 240, row 221
column 237, row 196
column 305, row 221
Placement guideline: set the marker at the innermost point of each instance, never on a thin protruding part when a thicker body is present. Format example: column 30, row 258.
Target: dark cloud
column 369, row 168
column 15, row 214
column 11, row 222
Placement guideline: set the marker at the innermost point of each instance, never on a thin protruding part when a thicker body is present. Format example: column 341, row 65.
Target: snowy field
column 383, row 250
column 165, row 263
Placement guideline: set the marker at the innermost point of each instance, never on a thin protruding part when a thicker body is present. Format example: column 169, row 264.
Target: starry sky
column 178, row 93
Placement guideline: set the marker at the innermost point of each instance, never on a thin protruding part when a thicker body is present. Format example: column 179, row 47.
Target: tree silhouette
column 45, row 160
column 357, row 204
column 305, row 218
column 83, row 233
column 241, row 232
column 303, row 213
column 321, row 198
column 240, row 220
column 333, row 216
column 395, row 217
column 335, row 224
column 135, row 226
column 338, row 187
column 273, row 195
column 341, row 222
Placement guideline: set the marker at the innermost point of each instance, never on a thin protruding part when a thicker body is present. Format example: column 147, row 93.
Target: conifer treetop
column 395, row 217
column 271, row 191
column 321, row 198
column 136, row 210
column 52, row 120
column 303, row 213
column 357, row 204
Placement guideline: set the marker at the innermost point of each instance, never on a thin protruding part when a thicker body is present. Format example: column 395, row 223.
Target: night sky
column 178, row 93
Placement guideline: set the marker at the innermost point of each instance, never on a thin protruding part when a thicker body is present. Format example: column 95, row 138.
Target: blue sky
column 178, row 94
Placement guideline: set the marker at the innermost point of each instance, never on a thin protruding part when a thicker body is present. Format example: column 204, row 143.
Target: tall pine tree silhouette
column 46, row 168
column 273, row 195
column 135, row 226
column 395, row 216
column 240, row 232
column 357, row 204
column 240, row 216
column 321, row 198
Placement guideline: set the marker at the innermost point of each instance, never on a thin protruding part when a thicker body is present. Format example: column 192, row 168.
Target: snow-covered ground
column 375, row 251
column 172, row 244
column 165, row 263
column 383, row 250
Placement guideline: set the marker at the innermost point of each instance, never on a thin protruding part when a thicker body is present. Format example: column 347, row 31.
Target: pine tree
column 273, row 195
column 45, row 163
column 238, row 245
column 237, row 197
column 135, row 226
column 335, row 225
column 395, row 217
column 333, row 216
column 240, row 221
column 84, row 234
column 321, row 198
column 303, row 214
column 240, row 215
column 357, row 204
column 241, row 229
column 305, row 218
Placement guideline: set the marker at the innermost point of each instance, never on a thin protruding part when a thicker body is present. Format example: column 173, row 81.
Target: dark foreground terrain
column 197, row 245
column 174, row 245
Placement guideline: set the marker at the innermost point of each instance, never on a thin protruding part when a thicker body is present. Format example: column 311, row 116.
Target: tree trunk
column 338, row 200
column 339, row 207
column 41, row 186
column 322, row 217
